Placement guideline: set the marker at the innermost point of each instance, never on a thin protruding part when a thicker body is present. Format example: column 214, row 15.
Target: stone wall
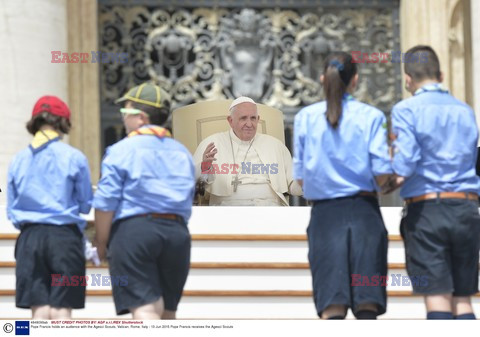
column 29, row 31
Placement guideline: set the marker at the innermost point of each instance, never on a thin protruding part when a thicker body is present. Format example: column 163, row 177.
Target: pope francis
column 242, row 167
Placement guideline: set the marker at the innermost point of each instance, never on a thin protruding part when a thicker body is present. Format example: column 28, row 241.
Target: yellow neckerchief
column 43, row 138
column 151, row 130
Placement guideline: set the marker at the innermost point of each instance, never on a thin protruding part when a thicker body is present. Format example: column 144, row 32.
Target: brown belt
column 368, row 194
column 163, row 216
column 443, row 195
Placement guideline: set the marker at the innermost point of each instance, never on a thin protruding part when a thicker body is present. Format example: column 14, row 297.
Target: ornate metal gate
column 270, row 50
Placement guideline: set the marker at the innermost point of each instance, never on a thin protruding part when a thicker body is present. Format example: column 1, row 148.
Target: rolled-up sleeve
column 378, row 147
column 298, row 146
column 110, row 187
column 405, row 147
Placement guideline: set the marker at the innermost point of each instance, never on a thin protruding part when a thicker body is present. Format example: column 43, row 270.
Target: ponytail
column 334, row 90
column 338, row 72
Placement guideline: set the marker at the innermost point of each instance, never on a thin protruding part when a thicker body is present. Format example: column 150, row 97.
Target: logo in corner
column 22, row 327
column 8, row 327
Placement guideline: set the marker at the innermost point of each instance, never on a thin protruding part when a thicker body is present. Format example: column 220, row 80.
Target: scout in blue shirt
column 146, row 191
column 434, row 158
column 48, row 187
column 341, row 156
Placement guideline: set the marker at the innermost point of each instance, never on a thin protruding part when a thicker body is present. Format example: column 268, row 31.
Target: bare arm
column 103, row 224
column 394, row 182
column 294, row 188
column 382, row 180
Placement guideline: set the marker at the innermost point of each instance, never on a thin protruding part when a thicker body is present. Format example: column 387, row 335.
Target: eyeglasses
column 129, row 111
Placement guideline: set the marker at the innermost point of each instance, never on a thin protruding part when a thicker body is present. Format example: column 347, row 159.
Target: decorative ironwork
column 273, row 55
column 270, row 50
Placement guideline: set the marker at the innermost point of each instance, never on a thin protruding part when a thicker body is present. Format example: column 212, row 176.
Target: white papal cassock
column 262, row 166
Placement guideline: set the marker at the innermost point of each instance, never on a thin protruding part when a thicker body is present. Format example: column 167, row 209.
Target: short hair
column 157, row 116
column 61, row 124
column 421, row 63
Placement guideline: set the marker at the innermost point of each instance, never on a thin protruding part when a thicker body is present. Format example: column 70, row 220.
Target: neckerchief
column 151, row 130
column 434, row 87
column 42, row 139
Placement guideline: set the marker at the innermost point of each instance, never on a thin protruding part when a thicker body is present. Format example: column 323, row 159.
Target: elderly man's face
column 244, row 121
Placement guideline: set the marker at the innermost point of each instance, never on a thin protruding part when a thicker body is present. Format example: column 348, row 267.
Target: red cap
column 53, row 105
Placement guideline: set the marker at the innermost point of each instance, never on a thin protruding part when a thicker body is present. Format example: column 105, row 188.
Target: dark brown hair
column 58, row 123
column 338, row 71
column 421, row 62
column 157, row 116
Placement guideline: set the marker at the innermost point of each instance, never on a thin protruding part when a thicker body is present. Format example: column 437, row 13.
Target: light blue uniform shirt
column 145, row 174
column 340, row 162
column 50, row 186
column 436, row 144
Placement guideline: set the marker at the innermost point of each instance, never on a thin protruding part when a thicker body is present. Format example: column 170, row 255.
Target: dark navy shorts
column 347, row 236
column 441, row 238
column 45, row 250
column 153, row 256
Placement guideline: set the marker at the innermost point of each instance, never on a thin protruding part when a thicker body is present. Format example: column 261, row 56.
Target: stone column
column 83, row 82
column 441, row 24
column 29, row 31
column 475, row 26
